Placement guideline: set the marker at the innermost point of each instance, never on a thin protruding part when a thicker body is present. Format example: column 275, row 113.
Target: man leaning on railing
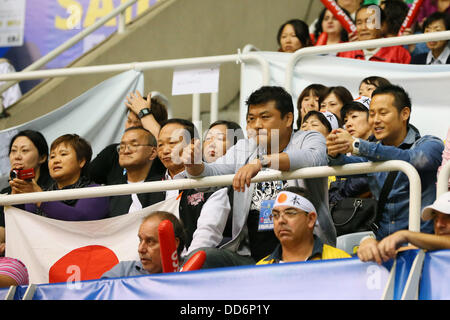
column 272, row 144
column 389, row 115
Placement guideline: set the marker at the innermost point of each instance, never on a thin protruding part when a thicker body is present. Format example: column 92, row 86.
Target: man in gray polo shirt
column 148, row 249
column 272, row 144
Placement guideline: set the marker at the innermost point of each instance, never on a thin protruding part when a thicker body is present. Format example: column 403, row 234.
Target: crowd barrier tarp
column 98, row 115
column 342, row 279
column 435, row 280
column 57, row 251
column 426, row 85
column 3, row 293
column 405, row 260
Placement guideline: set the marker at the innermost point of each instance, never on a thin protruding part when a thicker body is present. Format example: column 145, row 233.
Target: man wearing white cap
column 294, row 218
column 439, row 212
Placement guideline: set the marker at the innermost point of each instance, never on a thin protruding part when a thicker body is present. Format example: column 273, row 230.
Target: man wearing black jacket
column 137, row 151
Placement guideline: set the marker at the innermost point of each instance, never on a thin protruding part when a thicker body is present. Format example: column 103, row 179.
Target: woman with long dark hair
column 328, row 23
column 293, row 35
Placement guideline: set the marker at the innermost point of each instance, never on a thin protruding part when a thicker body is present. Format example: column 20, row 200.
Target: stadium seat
column 350, row 242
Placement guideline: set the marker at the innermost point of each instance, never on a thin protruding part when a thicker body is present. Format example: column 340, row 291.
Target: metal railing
column 244, row 57
column 442, row 181
column 119, row 11
column 415, row 189
column 358, row 45
column 149, row 65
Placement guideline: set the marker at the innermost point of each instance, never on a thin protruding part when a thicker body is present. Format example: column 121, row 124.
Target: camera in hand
column 22, row 174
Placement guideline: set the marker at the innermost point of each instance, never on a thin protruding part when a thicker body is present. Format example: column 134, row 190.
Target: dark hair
column 159, row 110
column 178, row 228
column 38, row 141
column 318, row 25
column 395, row 12
column 339, row 91
column 150, row 137
column 301, row 31
column 188, row 126
column 322, row 118
column 297, row 190
column 238, row 134
column 353, row 106
column 401, row 97
column 82, row 148
column 436, row 16
column 265, row 94
column 376, row 81
column 317, row 89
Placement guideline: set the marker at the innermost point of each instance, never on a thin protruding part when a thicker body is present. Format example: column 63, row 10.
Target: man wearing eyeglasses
column 137, row 151
column 144, row 112
column 294, row 218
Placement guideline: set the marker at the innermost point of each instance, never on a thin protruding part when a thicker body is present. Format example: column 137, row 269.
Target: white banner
column 57, row 251
column 12, row 22
column 428, row 86
column 98, row 115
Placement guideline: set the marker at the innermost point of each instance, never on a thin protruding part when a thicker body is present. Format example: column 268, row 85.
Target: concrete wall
column 175, row 29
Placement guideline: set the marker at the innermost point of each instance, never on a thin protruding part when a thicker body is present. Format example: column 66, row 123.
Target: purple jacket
column 83, row 210
column 428, row 7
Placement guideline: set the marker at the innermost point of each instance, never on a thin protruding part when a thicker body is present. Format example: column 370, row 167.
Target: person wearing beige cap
column 439, row 212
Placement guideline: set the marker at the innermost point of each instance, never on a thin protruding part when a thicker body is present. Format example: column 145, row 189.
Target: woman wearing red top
column 368, row 28
column 328, row 23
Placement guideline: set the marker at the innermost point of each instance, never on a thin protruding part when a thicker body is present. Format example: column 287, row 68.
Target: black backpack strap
column 387, row 187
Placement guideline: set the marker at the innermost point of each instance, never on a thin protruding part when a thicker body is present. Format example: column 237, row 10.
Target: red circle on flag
column 85, row 263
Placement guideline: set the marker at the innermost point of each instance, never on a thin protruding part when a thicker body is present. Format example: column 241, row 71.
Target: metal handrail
column 415, row 189
column 74, row 40
column 358, row 45
column 139, row 66
column 442, row 181
column 148, row 65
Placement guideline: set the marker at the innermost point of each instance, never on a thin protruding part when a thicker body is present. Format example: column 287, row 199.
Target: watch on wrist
column 355, row 145
column 144, row 112
column 265, row 161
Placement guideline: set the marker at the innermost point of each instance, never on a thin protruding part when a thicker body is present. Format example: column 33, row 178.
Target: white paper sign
column 12, row 22
column 199, row 80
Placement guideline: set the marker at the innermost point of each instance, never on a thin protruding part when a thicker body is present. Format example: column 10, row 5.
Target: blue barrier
column 3, row 293
column 405, row 260
column 344, row 279
column 435, row 280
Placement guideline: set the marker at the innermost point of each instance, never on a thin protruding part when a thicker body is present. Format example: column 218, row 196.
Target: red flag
column 195, row 262
column 411, row 16
column 167, row 247
column 322, row 39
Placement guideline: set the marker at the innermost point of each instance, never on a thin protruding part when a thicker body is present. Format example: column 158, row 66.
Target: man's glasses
column 288, row 213
column 132, row 147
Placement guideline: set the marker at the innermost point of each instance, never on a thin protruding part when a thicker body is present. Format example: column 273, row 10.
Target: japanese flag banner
column 70, row 251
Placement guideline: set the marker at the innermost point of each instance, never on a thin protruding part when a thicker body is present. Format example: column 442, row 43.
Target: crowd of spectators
column 229, row 223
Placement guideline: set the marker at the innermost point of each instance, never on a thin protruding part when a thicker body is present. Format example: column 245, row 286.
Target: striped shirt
column 14, row 269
